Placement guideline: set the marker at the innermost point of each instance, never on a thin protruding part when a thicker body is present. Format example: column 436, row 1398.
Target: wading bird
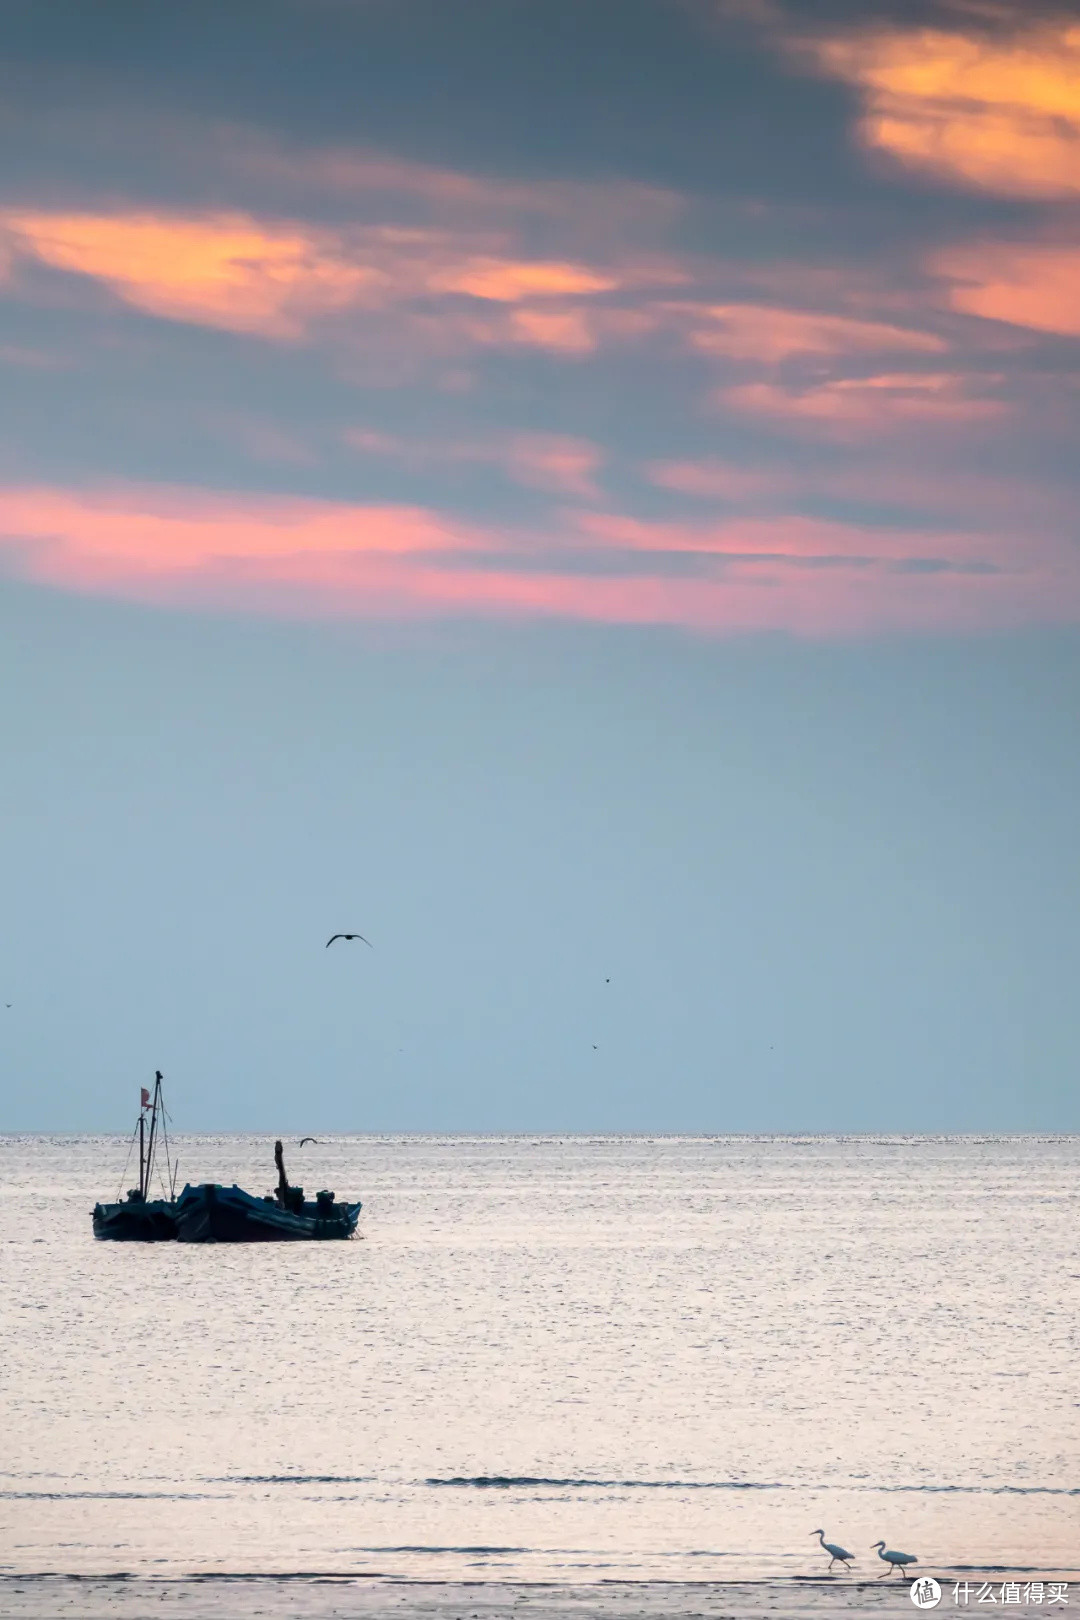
column 895, row 1560
column 332, row 938
column 837, row 1555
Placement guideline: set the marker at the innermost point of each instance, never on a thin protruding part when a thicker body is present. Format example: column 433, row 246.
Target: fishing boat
column 139, row 1218
column 214, row 1214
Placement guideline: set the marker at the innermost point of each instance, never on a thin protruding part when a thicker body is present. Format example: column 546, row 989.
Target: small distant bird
column 595, row 1047
column 607, row 981
column 895, row 1560
column 332, row 938
column 304, row 1139
column 837, row 1555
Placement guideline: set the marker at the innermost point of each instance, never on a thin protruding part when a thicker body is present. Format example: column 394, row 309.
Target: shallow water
column 566, row 1359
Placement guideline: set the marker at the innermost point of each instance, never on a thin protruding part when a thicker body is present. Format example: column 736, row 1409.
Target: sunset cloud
column 275, row 278
column 611, row 211
column 868, row 404
column 771, row 333
column 332, row 559
column 223, row 270
column 556, row 463
column 711, row 479
column 505, row 281
column 425, row 347
column 133, row 530
column 1032, row 285
column 995, row 112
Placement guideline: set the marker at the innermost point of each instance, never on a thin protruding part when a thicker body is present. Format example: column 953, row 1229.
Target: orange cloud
column 508, row 281
column 275, row 279
column 770, row 333
column 995, row 113
column 868, row 404
column 303, row 558
column 1037, row 286
column 221, row 270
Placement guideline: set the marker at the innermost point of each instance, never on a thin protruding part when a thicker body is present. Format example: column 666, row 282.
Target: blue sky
column 576, row 494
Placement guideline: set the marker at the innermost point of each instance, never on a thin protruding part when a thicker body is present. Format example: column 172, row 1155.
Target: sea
column 572, row 1359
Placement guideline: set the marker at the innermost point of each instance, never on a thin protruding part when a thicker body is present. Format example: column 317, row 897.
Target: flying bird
column 837, row 1555
column 332, row 938
column 895, row 1560
column 304, row 1139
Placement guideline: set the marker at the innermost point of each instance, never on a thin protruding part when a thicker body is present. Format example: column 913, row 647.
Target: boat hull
column 136, row 1222
column 213, row 1214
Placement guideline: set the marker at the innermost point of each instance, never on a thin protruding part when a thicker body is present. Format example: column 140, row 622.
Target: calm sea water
column 565, row 1359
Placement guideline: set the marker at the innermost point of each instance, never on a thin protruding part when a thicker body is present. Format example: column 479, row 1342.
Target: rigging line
column 168, row 1163
column 127, row 1161
column 166, row 1194
column 172, row 1168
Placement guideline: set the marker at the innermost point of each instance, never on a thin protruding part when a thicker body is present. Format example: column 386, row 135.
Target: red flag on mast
column 145, row 1103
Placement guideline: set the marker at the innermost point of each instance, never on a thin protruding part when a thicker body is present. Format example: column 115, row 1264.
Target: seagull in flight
column 332, row 938
column 304, row 1139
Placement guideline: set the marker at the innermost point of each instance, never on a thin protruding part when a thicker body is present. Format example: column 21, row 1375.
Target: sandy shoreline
column 330, row 1597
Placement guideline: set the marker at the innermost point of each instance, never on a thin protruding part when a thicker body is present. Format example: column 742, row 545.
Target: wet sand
column 314, row 1597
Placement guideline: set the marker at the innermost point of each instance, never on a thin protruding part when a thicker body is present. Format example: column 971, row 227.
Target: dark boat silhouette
column 139, row 1218
column 214, row 1214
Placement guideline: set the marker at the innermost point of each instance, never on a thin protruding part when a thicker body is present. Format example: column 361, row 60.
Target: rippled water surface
column 547, row 1358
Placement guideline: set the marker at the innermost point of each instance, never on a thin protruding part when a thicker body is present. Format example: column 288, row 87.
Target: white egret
column 837, row 1555
column 895, row 1560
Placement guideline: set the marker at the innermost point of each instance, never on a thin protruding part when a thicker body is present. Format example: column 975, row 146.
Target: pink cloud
column 713, row 480
column 868, row 405
column 332, row 559
column 771, row 333
column 1030, row 284
column 555, row 462
column 132, row 532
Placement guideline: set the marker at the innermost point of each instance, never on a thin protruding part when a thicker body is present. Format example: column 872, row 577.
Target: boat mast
column 153, row 1128
column 142, row 1156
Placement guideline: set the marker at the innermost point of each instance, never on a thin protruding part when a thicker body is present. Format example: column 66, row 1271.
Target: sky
column 584, row 495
